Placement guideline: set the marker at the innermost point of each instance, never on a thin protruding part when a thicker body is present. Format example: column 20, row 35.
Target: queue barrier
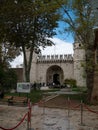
column 69, row 102
column 26, row 116
column 90, row 110
column 17, row 124
column 70, row 106
column 80, row 106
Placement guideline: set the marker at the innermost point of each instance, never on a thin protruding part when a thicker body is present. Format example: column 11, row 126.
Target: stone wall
column 43, row 63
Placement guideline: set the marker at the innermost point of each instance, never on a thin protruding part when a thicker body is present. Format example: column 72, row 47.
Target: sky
column 63, row 45
column 60, row 47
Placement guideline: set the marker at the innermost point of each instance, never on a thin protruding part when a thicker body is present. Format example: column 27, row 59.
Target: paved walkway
column 47, row 118
column 58, row 119
column 51, row 119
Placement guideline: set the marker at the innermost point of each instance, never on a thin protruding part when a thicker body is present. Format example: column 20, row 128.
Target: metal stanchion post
column 28, row 121
column 68, row 106
column 43, row 111
column 43, row 105
column 81, row 113
column 30, row 117
column 68, row 127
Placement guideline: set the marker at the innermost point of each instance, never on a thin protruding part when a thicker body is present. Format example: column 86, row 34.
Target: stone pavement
column 58, row 119
column 47, row 118
column 51, row 119
column 56, row 122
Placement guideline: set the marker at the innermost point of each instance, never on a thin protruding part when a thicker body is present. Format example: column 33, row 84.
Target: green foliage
column 28, row 24
column 8, row 79
column 36, row 96
column 79, row 16
column 2, row 75
column 8, row 53
column 71, row 82
column 11, row 79
column 80, row 20
column 80, row 89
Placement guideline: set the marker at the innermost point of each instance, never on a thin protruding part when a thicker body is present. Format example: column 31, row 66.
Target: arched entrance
column 54, row 75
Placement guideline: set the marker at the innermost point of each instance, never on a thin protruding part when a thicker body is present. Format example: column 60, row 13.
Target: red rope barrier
column 28, row 114
column 83, row 105
column 90, row 109
column 76, row 106
column 16, row 125
column 69, row 103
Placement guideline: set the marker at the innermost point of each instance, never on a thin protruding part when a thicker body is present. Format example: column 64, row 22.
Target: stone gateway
column 49, row 69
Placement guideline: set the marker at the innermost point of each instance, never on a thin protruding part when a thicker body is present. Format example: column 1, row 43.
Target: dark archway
column 56, row 79
column 54, row 75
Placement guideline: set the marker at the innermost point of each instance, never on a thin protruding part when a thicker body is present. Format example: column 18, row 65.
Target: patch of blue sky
column 62, row 34
column 63, row 27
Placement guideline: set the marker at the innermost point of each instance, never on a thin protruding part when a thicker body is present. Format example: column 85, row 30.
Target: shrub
column 71, row 82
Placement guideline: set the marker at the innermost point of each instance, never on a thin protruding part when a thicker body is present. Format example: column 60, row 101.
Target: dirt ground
column 56, row 116
column 60, row 102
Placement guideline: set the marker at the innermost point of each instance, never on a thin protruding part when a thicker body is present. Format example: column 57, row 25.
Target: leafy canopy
column 29, row 22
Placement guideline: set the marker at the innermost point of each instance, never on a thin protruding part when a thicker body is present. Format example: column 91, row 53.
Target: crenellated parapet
column 55, row 58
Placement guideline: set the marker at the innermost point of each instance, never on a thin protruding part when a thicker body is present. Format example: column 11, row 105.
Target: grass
column 77, row 97
column 34, row 96
column 78, row 89
column 37, row 95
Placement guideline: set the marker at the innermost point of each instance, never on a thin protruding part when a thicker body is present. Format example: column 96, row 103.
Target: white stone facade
column 57, row 68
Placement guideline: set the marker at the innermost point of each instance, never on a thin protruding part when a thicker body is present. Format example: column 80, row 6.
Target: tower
column 79, row 64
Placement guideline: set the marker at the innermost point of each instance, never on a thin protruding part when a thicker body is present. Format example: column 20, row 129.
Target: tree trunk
column 27, row 63
column 90, row 65
column 94, row 96
column 27, row 76
column 90, row 82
